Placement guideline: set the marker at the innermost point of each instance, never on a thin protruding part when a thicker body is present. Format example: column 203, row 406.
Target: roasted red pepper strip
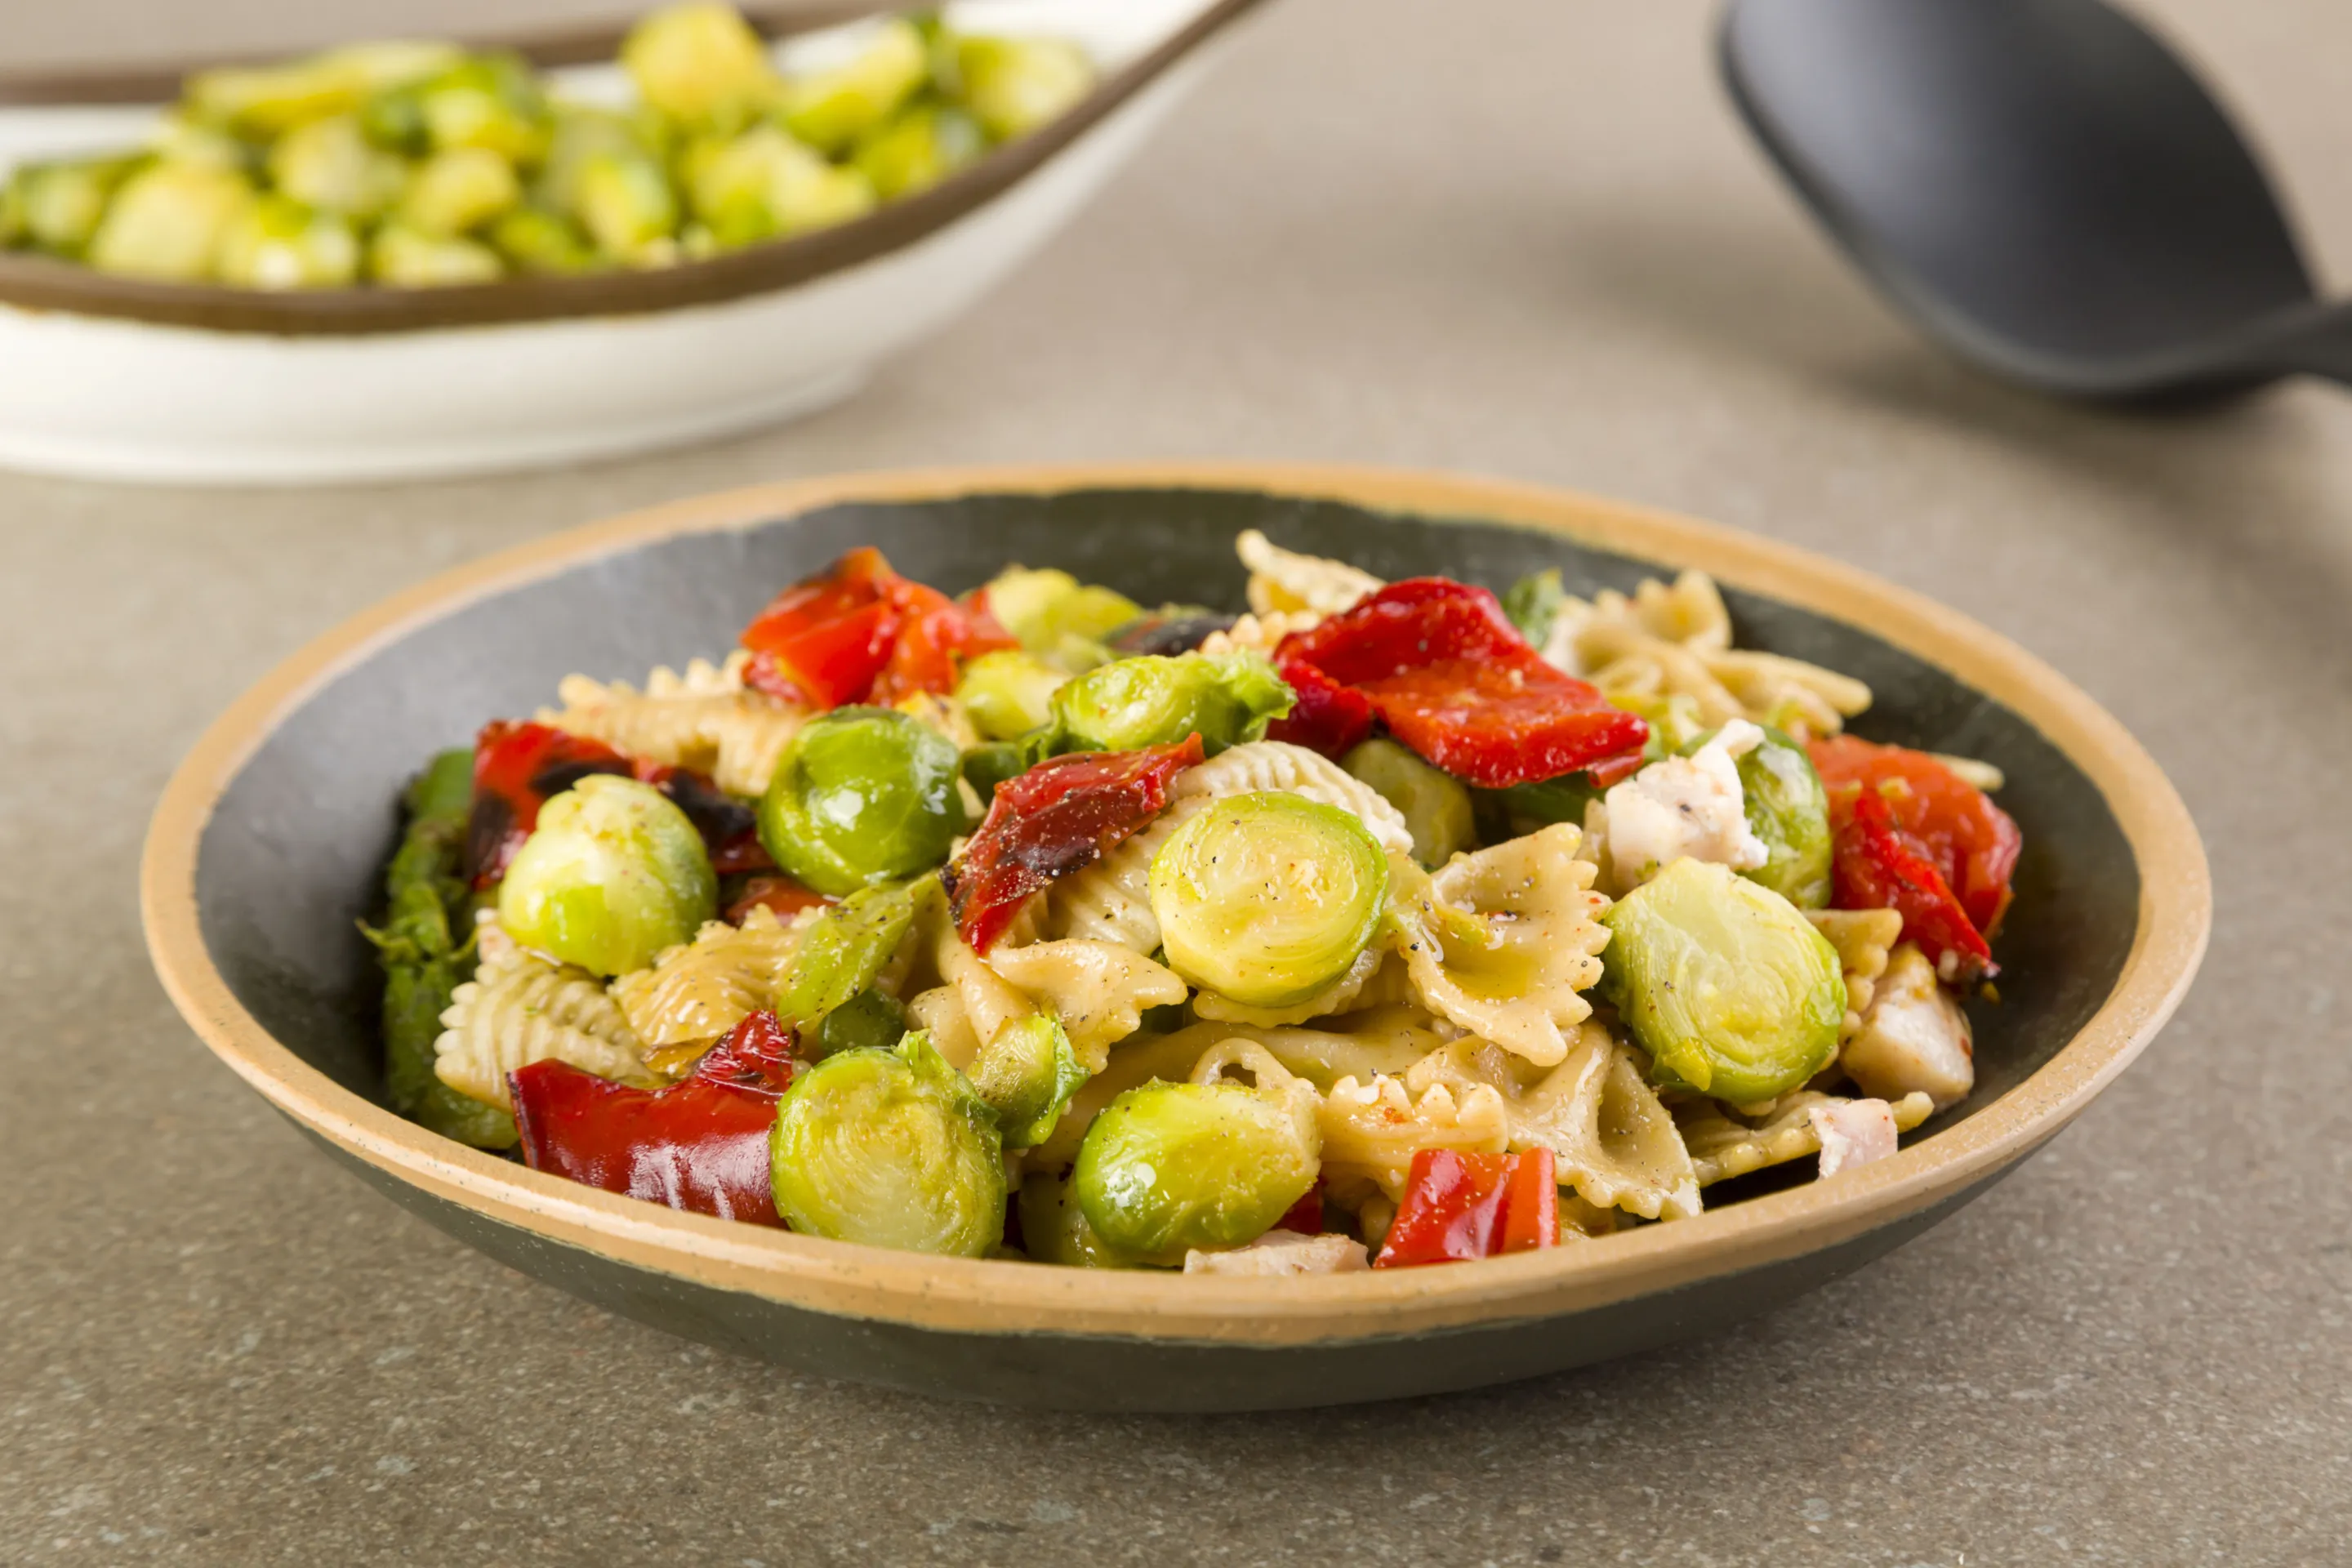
column 1328, row 717
column 1057, row 819
column 859, row 632
column 1306, row 1216
column 1880, row 867
column 1452, row 677
column 519, row 767
column 1462, row 1206
column 700, row 1145
column 778, row 894
column 1973, row 843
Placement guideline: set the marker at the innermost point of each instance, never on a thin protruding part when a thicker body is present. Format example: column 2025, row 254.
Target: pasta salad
column 1385, row 924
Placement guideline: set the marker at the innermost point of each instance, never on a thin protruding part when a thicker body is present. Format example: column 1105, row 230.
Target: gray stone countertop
column 1519, row 238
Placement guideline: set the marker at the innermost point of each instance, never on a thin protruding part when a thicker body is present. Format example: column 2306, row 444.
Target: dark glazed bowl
column 267, row 845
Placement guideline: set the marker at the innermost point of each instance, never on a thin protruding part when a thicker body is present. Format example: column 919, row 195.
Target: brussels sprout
column 276, row 243
column 1436, row 805
column 405, row 257
column 871, row 1020
column 265, row 102
column 177, row 139
column 919, row 148
column 614, row 873
column 830, row 109
column 537, row 241
column 1788, row 809
column 578, row 133
column 492, row 104
column 1044, row 608
column 1172, row 1166
column 889, row 1148
column 862, row 796
column 1009, row 693
column 845, row 948
column 700, row 64
column 1027, row 1074
column 985, row 767
column 625, row 203
column 762, row 185
column 1014, row 84
column 1533, row 602
column 1226, row 699
column 1727, row 987
column 1054, row 1229
column 58, row 207
column 332, row 166
column 1267, row 899
column 167, row 221
column 454, row 192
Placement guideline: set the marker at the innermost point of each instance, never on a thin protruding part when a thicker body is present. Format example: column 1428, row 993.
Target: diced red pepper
column 1450, row 676
column 858, row 632
column 780, row 895
column 1327, row 717
column 1058, row 817
column 1973, row 843
column 1306, row 1216
column 1877, row 866
column 1462, row 1206
column 700, row 1145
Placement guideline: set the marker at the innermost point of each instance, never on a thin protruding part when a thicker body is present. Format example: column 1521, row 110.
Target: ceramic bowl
column 268, row 844
column 124, row 379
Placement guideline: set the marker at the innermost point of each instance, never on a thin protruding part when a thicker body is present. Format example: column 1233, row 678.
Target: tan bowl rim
column 40, row 283
column 956, row 1294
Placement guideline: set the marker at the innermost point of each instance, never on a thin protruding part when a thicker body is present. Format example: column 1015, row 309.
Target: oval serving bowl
column 267, row 844
column 123, row 378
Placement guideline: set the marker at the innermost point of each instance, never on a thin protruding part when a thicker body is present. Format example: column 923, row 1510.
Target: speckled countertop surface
column 1520, row 238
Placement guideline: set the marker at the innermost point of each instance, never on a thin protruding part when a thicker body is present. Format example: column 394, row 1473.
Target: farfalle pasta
column 1382, row 924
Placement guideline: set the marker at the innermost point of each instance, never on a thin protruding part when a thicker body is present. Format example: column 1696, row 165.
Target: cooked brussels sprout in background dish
column 1267, row 899
column 890, row 1149
column 1009, row 693
column 1726, row 985
column 614, row 873
column 1172, row 1166
column 863, row 795
column 1049, row 610
column 421, row 165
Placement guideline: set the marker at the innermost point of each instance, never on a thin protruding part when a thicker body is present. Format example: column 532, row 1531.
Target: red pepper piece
column 1973, row 843
column 516, row 768
column 730, row 829
column 1306, row 1216
column 1452, row 678
column 778, row 894
column 1057, row 819
column 1877, row 866
column 1328, row 717
column 859, row 632
column 1461, row 1207
column 700, row 1145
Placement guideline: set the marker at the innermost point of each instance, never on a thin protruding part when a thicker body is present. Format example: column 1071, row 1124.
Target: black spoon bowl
column 2042, row 185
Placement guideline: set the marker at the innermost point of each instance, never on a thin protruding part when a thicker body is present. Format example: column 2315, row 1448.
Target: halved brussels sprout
column 332, row 166
column 1226, row 699
column 862, row 796
column 830, row 109
column 762, row 185
column 1729, row 988
column 1027, row 1074
column 1172, row 1166
column 543, row 243
column 1522, row 809
column 1044, row 610
column 1436, row 805
column 276, row 243
column 1054, row 1229
column 614, row 873
column 1014, row 84
column 1009, row 693
column 405, row 257
column 489, row 102
column 985, row 767
column 700, row 64
column 845, row 948
column 166, row 221
column 458, row 190
column 263, row 101
column 1532, row 603
column 624, row 202
column 1267, row 899
column 919, row 148
column 871, row 1020
column 58, row 207
column 1788, row 809
column 580, row 132
column 889, row 1148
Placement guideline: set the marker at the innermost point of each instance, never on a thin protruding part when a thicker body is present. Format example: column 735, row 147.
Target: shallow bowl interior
column 267, row 853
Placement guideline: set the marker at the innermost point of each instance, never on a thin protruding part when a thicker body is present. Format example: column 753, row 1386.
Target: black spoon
column 2042, row 185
